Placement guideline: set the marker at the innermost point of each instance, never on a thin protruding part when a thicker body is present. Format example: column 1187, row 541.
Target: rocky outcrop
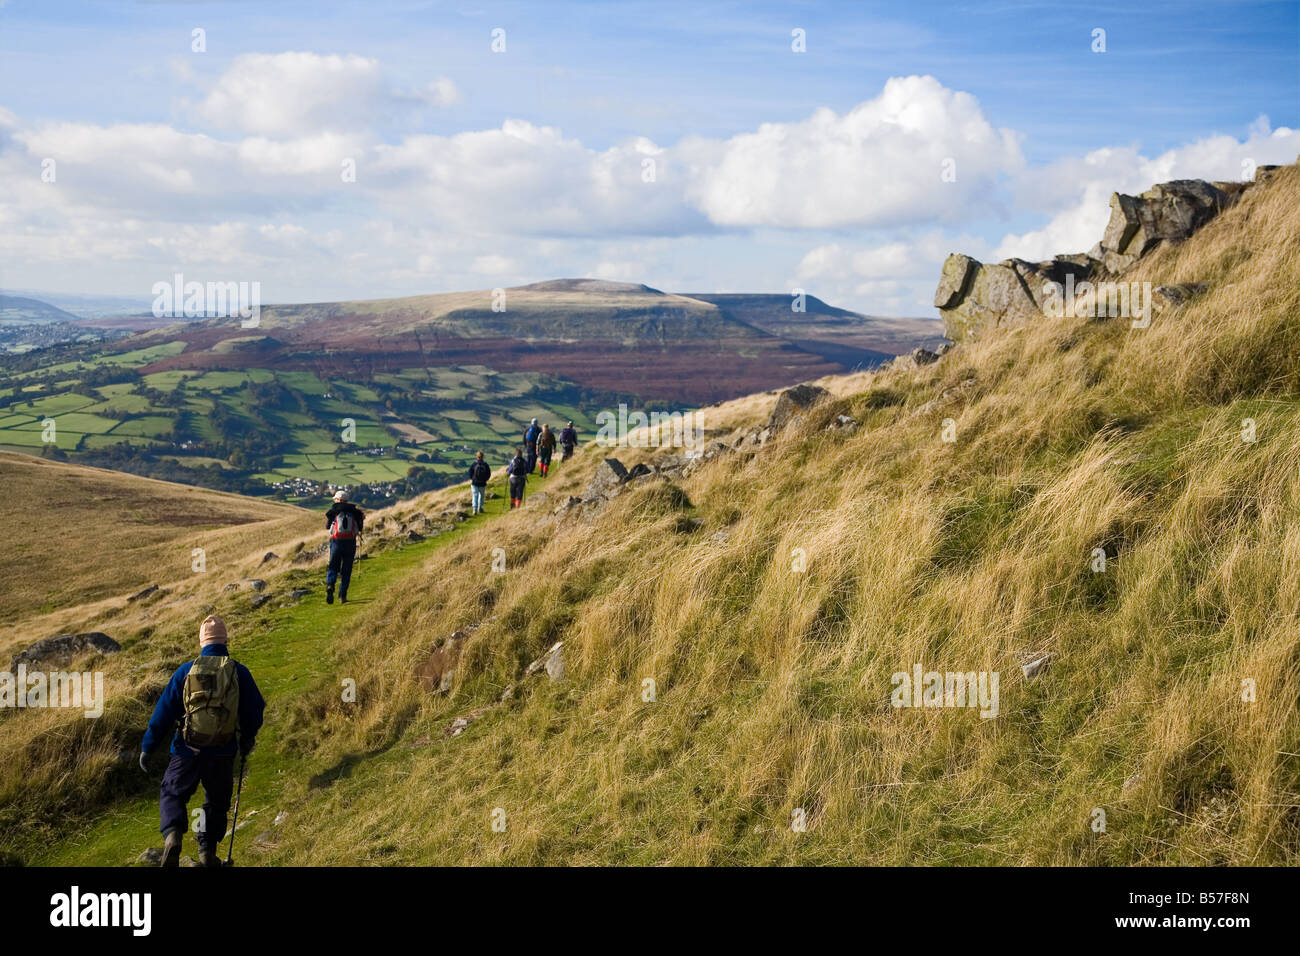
column 1169, row 212
column 609, row 474
column 973, row 296
column 62, row 649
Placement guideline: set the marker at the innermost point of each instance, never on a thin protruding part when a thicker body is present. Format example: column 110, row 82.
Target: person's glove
column 144, row 761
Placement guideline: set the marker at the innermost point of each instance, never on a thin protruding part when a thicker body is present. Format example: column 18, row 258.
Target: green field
column 274, row 426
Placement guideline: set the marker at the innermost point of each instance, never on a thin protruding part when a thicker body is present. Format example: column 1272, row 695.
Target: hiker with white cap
column 213, row 705
column 344, row 521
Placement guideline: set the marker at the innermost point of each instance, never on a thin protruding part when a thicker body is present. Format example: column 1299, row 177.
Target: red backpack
column 344, row 526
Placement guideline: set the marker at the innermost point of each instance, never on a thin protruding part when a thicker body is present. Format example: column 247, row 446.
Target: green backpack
column 211, row 702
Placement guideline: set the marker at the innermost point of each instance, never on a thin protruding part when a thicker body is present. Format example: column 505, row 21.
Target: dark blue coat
column 530, row 436
column 171, row 708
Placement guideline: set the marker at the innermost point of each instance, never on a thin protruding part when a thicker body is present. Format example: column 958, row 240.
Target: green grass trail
column 290, row 652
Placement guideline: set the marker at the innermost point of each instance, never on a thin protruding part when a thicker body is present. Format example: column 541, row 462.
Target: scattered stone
column 260, row 599
column 257, row 584
column 1170, row 296
column 1036, row 666
column 280, row 818
column 552, row 662
column 150, row 857
column 923, row 356
column 842, row 422
column 639, row 470
column 297, row 594
column 269, row 556
column 61, row 649
column 610, row 473
column 414, row 536
column 231, row 587
column 793, row 402
column 147, row 592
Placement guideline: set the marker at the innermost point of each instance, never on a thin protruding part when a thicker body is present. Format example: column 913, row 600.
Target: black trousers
column 343, row 551
column 184, row 774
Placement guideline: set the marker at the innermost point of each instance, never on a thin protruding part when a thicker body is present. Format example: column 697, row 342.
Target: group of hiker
column 534, row 455
column 212, row 707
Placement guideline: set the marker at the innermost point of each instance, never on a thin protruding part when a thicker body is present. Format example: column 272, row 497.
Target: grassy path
column 290, row 658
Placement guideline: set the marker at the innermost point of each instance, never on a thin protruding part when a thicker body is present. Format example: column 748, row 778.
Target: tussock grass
column 772, row 685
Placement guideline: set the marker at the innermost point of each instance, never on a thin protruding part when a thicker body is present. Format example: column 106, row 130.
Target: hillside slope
column 83, row 534
column 730, row 637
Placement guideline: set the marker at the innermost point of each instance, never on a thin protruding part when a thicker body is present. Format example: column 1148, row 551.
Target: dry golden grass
column 79, row 535
column 772, row 685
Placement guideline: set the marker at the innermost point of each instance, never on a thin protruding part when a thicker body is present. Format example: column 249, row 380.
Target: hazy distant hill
column 19, row 310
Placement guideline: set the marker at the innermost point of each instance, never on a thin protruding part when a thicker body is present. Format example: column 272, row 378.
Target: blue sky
column 774, row 169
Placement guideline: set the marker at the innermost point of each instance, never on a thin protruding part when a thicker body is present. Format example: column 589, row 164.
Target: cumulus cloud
column 879, row 164
column 1075, row 191
column 297, row 93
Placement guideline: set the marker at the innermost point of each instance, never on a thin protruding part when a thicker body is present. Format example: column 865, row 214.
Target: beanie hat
column 212, row 631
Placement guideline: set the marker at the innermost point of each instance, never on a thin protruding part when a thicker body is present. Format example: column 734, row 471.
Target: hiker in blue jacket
column 220, row 728
column 479, row 473
column 530, row 444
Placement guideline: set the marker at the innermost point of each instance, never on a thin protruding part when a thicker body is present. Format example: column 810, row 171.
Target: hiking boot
column 171, row 855
column 343, row 598
column 208, row 857
column 329, row 594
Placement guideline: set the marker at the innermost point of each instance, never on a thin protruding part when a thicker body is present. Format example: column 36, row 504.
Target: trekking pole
column 230, row 850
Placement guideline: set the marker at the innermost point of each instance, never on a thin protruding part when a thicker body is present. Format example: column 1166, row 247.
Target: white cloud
column 297, row 93
column 879, row 164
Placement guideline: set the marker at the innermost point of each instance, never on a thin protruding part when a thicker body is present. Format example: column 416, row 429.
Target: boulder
column 150, row 591
column 260, row 599
column 1168, row 212
column 639, row 470
column 62, row 649
column 923, row 356
column 269, row 556
column 792, row 403
column 610, row 473
column 257, row 584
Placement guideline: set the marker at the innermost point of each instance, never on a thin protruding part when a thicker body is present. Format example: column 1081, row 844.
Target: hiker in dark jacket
column 568, row 440
column 344, row 521
column 545, row 449
column 479, row 473
column 212, row 763
column 530, row 444
column 518, row 472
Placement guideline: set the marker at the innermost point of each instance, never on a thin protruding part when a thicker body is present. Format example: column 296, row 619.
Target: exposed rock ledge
column 972, row 296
